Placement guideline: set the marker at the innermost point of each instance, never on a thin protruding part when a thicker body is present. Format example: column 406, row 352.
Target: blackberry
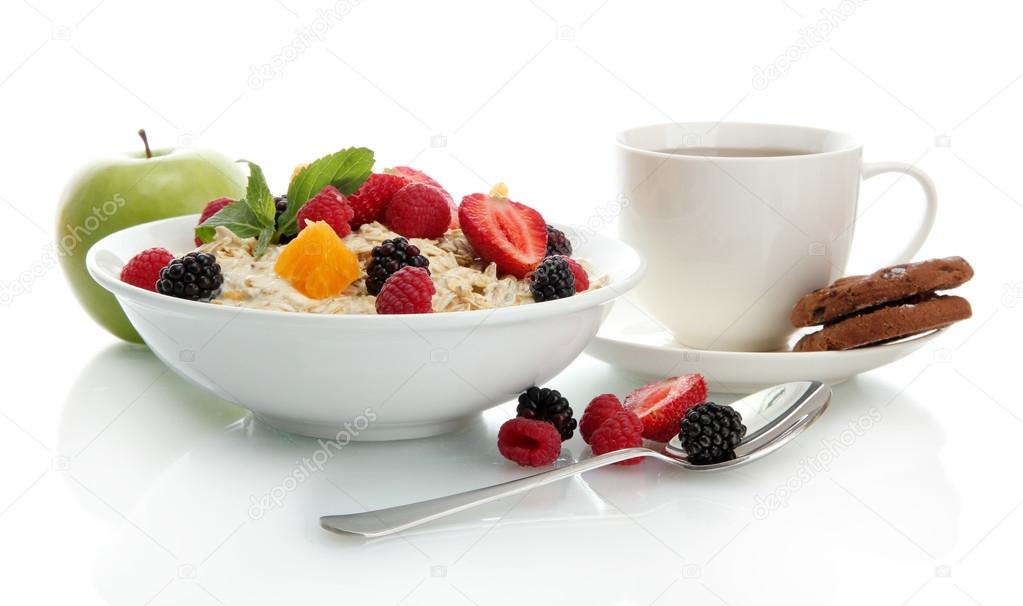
column 281, row 205
column 553, row 279
column 710, row 432
column 543, row 404
column 196, row 276
column 557, row 243
column 388, row 258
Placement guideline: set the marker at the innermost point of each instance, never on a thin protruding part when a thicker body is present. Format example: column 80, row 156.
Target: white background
column 121, row 484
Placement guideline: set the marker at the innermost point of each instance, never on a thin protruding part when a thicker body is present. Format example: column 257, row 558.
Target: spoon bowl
column 773, row 417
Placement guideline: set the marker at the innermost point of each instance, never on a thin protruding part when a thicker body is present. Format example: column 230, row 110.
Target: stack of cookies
column 889, row 304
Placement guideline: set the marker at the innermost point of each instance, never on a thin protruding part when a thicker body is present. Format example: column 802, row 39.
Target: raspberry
column 372, row 198
column 418, row 211
column 582, row 280
column 408, row 291
column 195, row 276
column 412, row 175
column 623, row 430
column 553, row 279
column 529, row 442
column 600, row 409
column 557, row 242
column 329, row 206
column 212, row 208
column 143, row 270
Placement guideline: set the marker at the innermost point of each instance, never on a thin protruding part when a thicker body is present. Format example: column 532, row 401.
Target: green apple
column 116, row 193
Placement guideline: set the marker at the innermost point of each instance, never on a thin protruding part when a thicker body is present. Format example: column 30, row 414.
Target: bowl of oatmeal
column 331, row 367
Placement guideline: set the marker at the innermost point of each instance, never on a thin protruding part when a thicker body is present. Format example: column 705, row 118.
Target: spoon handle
column 395, row 519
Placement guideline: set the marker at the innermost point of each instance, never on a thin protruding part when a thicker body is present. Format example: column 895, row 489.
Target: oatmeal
column 463, row 283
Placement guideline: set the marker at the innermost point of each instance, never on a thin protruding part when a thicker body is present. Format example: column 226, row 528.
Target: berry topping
column 328, row 206
column 281, row 205
column 507, row 233
column 417, row 176
column 143, row 270
column 553, row 279
column 388, row 258
column 622, row 430
column 662, row 404
column 372, row 198
column 557, row 242
column 412, row 175
column 710, row 432
column 528, row 442
column 196, row 276
column 582, row 280
column 543, row 404
column 418, row 211
column 212, row 208
column 600, row 409
column 408, row 291
column 317, row 263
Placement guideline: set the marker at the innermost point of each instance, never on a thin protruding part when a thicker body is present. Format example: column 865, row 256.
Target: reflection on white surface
column 205, row 504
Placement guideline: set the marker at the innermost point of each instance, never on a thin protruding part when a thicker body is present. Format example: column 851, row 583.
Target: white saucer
column 631, row 340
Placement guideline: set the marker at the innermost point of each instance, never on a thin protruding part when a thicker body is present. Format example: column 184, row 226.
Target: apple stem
column 142, row 133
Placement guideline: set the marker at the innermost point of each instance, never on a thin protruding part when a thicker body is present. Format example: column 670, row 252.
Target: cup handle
column 872, row 169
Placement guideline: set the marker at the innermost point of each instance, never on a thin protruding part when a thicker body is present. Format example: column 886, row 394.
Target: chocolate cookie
column 851, row 294
column 888, row 322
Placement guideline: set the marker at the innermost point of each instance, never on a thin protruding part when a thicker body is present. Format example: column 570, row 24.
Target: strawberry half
column 507, row 233
column 417, row 176
column 662, row 404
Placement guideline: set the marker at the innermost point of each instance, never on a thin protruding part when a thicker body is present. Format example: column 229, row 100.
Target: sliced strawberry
column 662, row 404
column 507, row 233
column 455, row 224
column 417, row 176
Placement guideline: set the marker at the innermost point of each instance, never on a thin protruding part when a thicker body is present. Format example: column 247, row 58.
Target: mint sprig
column 346, row 170
column 253, row 215
column 258, row 195
column 250, row 217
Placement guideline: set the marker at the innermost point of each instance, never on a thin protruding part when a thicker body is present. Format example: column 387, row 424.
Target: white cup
column 732, row 242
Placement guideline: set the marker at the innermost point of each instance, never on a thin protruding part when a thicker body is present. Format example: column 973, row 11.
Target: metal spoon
column 772, row 418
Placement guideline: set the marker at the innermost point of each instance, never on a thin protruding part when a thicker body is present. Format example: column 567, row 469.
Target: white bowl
column 360, row 377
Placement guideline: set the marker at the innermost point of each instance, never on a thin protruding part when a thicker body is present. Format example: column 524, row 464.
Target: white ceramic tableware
column 631, row 340
column 733, row 242
column 360, row 377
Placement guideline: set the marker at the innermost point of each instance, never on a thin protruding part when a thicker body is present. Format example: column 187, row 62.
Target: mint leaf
column 250, row 217
column 346, row 170
column 263, row 241
column 236, row 216
column 258, row 196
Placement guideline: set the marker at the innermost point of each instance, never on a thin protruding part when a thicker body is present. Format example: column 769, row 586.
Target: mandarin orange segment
column 317, row 263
